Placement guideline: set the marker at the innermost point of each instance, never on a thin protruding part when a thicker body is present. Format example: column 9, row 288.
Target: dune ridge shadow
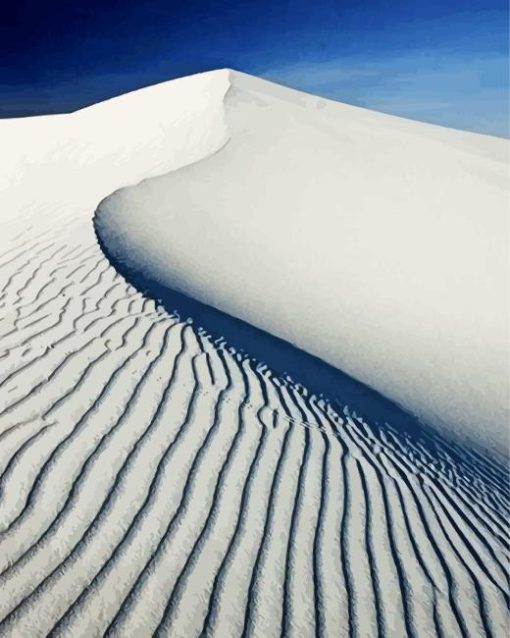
column 292, row 365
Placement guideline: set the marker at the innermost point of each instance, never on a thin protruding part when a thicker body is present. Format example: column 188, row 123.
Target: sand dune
column 154, row 481
column 391, row 235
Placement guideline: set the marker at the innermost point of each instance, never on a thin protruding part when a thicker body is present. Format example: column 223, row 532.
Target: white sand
column 150, row 479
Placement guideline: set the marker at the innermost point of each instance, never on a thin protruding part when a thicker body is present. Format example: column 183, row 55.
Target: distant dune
column 154, row 480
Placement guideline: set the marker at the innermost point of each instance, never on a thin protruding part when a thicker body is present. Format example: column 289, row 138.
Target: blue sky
column 444, row 62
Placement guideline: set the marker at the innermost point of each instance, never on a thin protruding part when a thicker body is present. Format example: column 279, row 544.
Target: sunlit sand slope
column 378, row 244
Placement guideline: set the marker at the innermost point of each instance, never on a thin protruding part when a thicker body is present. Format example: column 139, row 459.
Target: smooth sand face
column 375, row 243
column 155, row 481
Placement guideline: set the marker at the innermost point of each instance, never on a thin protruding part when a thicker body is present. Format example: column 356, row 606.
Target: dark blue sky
column 440, row 61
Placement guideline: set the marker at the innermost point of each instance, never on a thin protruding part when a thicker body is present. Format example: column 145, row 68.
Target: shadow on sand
column 291, row 364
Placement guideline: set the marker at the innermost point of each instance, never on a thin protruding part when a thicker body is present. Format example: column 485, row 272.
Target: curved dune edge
column 153, row 481
column 375, row 243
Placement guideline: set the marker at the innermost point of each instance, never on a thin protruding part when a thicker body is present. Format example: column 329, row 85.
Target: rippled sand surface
column 155, row 481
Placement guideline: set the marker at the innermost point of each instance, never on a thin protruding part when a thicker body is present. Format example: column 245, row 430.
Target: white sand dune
column 391, row 235
column 153, row 481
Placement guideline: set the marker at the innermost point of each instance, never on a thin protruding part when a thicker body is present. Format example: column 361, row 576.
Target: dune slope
column 390, row 235
column 156, row 482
